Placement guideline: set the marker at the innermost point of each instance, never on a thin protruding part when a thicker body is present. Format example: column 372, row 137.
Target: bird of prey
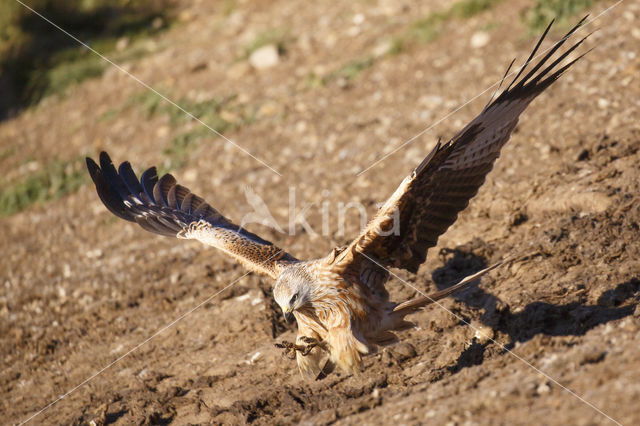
column 340, row 302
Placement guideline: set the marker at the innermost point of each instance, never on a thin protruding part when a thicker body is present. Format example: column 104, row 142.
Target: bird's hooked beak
column 288, row 314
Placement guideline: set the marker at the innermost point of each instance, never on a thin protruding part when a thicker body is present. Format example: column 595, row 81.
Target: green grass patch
column 181, row 147
column 469, row 8
column 7, row 152
column 109, row 115
column 539, row 15
column 350, row 70
column 148, row 101
column 312, row 81
column 75, row 65
column 50, row 182
column 490, row 26
column 208, row 111
column 278, row 37
column 228, row 6
column 221, row 114
column 57, row 79
column 429, row 28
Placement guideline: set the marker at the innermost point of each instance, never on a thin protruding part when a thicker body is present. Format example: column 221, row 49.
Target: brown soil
column 81, row 289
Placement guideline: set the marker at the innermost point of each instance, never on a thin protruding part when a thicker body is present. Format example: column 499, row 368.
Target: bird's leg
column 290, row 349
column 312, row 343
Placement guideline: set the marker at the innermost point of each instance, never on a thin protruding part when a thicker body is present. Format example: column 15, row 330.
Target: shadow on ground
column 570, row 319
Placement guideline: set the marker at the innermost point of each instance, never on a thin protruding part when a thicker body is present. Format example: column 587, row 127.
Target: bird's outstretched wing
column 428, row 201
column 166, row 208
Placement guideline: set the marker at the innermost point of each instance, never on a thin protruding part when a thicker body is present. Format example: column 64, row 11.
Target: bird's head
column 293, row 291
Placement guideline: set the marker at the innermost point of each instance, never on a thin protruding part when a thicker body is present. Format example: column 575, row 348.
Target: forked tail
column 411, row 306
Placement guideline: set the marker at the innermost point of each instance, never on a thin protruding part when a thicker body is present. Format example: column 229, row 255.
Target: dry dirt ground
column 81, row 289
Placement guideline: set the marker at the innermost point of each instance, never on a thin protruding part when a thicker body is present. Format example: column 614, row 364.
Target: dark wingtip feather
column 171, row 198
column 129, row 178
column 181, row 193
column 554, row 48
column 161, row 189
column 532, row 55
column 148, row 180
column 582, row 21
column 185, row 207
column 111, row 176
column 144, row 201
column 536, row 80
column 553, row 77
column 160, row 205
column 105, row 160
column 201, row 211
column 447, row 179
column 108, row 195
column 93, row 168
column 506, row 74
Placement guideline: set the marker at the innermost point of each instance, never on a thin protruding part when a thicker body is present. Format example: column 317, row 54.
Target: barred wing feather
column 164, row 207
column 429, row 199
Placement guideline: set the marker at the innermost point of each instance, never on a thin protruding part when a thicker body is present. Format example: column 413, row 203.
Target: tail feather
column 414, row 305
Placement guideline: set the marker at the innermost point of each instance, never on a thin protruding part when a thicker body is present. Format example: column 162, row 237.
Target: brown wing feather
column 166, row 208
column 428, row 201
